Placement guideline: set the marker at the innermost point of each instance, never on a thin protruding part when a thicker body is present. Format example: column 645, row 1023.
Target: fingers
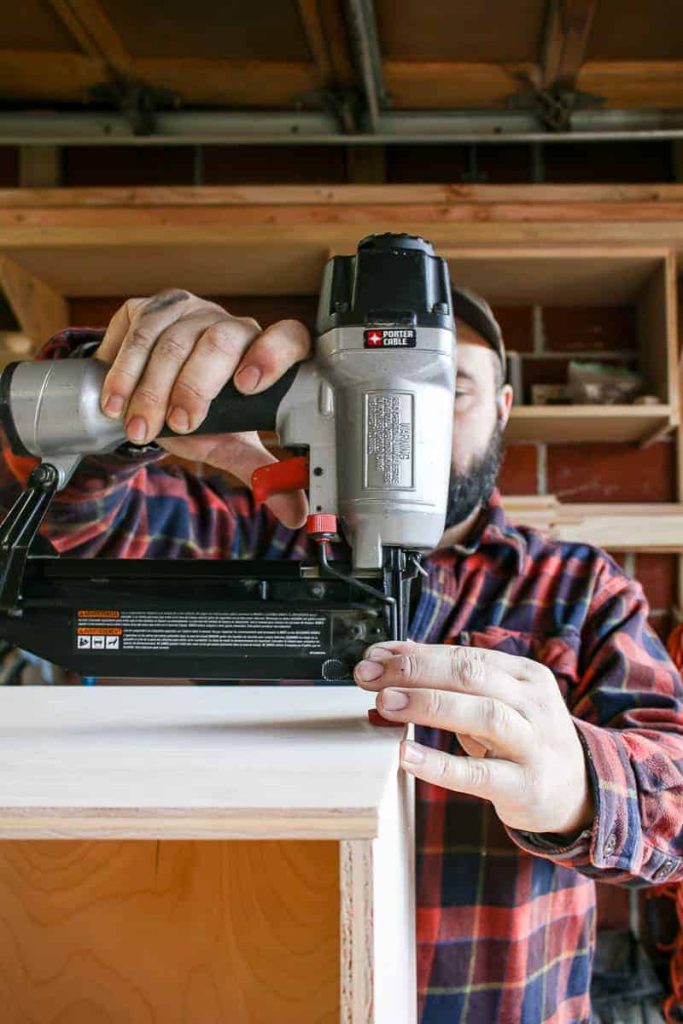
column 241, row 454
column 146, row 320
column 462, row 669
column 188, row 366
column 488, row 778
column 501, row 728
column 172, row 354
column 116, row 331
column 271, row 354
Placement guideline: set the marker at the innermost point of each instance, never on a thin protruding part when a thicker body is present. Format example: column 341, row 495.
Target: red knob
column 321, row 523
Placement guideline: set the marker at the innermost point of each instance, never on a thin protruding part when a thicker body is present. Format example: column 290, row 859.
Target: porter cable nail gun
column 373, row 411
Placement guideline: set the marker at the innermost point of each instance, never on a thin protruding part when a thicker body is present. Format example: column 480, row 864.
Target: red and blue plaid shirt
column 505, row 921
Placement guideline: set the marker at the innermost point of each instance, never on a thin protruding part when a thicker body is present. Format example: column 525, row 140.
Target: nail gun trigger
column 278, row 477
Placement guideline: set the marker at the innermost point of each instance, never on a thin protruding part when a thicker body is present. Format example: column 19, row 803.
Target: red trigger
column 287, row 475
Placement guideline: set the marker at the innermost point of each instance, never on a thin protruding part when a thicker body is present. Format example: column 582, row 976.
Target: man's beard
column 466, row 491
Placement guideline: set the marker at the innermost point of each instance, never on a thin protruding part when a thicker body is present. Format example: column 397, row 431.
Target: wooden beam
column 481, row 202
column 66, row 76
column 323, row 23
column 656, row 84
column 567, row 28
column 46, row 235
column 317, row 42
column 441, row 85
column 51, row 77
column 39, row 309
column 94, row 32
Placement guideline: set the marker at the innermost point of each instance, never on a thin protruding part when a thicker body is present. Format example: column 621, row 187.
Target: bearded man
column 549, row 718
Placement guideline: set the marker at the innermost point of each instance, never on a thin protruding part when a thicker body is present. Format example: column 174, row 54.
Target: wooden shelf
column 556, row 424
column 275, row 240
column 655, row 528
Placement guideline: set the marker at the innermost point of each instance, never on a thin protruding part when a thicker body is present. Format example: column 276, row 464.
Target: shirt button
column 610, row 845
column 664, row 871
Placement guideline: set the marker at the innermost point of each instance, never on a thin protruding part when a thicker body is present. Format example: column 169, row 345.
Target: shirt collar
column 491, row 529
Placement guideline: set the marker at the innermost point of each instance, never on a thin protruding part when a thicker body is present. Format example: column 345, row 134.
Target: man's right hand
column 171, row 354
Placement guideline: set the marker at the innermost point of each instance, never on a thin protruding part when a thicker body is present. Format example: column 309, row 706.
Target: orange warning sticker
column 102, row 613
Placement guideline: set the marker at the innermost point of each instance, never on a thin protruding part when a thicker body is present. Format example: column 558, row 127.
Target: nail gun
column 369, row 417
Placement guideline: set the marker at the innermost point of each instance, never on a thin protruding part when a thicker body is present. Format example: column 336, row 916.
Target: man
column 550, row 720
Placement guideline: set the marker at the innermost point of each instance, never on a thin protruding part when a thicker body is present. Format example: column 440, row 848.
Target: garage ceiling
column 362, row 65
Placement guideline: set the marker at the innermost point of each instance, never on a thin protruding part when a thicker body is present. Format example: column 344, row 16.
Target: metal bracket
column 554, row 106
column 344, row 105
column 137, row 102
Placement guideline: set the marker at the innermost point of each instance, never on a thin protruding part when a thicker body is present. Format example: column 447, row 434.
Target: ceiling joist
column 568, row 25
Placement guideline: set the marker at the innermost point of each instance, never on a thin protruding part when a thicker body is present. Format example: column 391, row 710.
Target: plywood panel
column 554, row 276
column 557, row 424
column 169, row 933
column 192, row 762
column 657, row 333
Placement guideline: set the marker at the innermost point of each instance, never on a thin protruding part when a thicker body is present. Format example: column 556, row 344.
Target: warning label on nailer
column 273, row 633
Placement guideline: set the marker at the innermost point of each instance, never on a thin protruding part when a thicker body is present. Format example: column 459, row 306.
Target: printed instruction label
column 388, row 449
column 273, row 633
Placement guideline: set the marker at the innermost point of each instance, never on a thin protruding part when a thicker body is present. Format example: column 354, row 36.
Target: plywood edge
column 356, row 932
column 377, row 912
column 165, row 823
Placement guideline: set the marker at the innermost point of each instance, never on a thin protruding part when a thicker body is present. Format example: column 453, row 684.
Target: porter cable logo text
column 394, row 337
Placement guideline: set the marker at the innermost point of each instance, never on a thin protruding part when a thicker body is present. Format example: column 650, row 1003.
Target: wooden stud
column 88, row 23
column 39, row 309
column 568, row 25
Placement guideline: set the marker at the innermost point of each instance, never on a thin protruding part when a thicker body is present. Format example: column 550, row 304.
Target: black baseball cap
column 477, row 314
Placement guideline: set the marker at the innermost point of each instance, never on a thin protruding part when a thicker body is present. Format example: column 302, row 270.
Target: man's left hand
column 509, row 716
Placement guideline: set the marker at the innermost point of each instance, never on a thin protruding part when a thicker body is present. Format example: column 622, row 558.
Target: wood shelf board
column 202, row 258
column 556, row 276
column 655, row 199
column 192, row 762
column 649, row 528
column 557, row 424
column 205, row 267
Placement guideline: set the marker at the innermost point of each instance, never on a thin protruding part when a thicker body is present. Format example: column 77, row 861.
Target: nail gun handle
column 231, row 411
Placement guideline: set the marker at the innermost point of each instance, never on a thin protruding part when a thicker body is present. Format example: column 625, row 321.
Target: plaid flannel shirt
column 505, row 920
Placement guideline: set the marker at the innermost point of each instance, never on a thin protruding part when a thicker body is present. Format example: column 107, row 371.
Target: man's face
column 481, row 412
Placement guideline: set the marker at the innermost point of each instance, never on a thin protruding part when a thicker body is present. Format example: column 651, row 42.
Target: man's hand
column 509, row 716
column 171, row 354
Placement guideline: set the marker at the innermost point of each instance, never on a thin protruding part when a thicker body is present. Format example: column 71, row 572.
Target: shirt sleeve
column 132, row 504
column 628, row 712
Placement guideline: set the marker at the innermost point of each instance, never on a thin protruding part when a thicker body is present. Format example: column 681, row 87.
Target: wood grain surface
column 169, row 933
